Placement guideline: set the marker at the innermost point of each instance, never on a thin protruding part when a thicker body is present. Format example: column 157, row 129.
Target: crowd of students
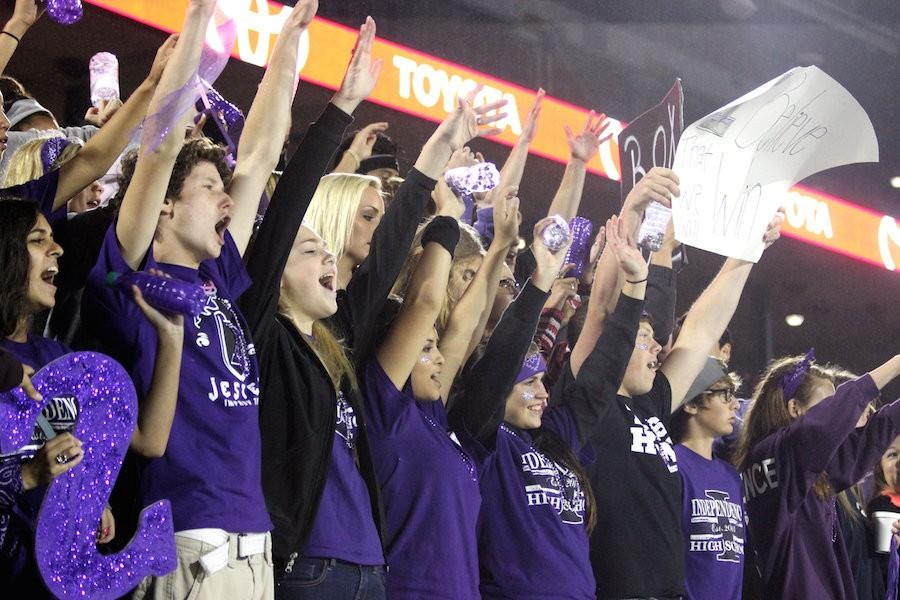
column 379, row 400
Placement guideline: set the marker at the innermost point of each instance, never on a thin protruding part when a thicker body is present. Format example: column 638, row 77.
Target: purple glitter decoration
column 555, row 234
column 465, row 182
column 169, row 295
column 533, row 365
column 579, row 251
column 64, row 12
column 173, row 106
column 65, row 540
column 51, row 150
column 791, row 381
column 227, row 117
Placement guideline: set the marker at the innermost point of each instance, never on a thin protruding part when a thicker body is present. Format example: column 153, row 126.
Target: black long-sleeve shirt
column 10, row 371
column 479, row 409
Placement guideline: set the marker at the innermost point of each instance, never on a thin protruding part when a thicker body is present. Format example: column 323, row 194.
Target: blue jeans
column 329, row 579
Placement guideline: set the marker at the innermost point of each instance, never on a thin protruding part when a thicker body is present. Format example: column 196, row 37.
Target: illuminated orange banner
column 411, row 82
column 426, row 86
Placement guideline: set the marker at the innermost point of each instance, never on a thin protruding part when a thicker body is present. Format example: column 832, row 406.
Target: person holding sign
column 640, row 520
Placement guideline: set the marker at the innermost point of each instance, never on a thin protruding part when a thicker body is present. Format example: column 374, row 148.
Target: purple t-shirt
column 532, row 540
column 42, row 191
column 430, row 491
column 211, row 468
column 713, row 524
column 344, row 527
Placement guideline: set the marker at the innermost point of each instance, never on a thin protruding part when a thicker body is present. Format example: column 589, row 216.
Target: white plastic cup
column 883, row 523
column 104, row 68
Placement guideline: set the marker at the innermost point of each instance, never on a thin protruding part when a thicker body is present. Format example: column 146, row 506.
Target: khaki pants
column 248, row 578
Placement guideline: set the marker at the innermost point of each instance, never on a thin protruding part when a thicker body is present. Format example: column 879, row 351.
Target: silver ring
column 61, row 459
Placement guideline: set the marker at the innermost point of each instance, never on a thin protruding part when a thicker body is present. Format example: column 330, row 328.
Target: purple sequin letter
column 70, row 513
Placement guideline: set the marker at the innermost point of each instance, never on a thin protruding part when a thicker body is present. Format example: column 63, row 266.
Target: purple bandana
column 51, row 150
column 533, row 365
column 465, row 182
column 791, row 381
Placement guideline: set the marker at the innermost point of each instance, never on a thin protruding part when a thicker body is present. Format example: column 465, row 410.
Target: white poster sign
column 736, row 164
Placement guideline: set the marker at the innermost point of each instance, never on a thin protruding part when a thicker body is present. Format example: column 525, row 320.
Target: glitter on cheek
column 425, row 359
column 65, row 543
column 528, row 396
column 643, row 346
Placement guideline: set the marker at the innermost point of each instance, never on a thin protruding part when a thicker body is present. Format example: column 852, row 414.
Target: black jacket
column 298, row 403
column 297, row 399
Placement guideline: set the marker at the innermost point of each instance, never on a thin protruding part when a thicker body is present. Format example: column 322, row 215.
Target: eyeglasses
column 726, row 394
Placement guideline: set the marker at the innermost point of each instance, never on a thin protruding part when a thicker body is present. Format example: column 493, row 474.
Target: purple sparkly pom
column 64, row 12
column 555, row 234
column 66, row 533
column 578, row 252
column 791, row 381
column 465, row 182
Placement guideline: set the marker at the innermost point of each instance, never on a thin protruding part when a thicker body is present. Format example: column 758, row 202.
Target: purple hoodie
column 795, row 533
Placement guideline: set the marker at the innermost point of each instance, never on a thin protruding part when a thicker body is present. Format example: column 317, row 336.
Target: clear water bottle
column 104, row 67
column 169, row 295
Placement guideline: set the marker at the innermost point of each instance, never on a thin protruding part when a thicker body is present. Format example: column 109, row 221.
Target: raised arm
column 143, row 201
column 25, row 14
column 598, row 380
column 105, row 146
column 661, row 290
column 514, row 167
column 582, row 149
column 708, row 318
column 658, row 185
column 268, row 122
column 372, row 281
column 469, row 317
column 815, row 438
column 488, row 383
column 267, row 259
column 398, row 353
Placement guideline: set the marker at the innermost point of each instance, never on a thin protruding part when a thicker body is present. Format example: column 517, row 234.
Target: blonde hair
column 332, row 211
column 333, row 356
column 26, row 165
column 469, row 245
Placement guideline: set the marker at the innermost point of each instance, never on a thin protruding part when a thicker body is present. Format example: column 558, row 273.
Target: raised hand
column 529, row 127
column 362, row 72
column 549, row 263
column 26, row 13
column 659, row 184
column 468, row 122
column 630, row 259
column 563, row 288
column 99, row 115
column 53, row 459
column 163, row 54
column 505, row 202
column 365, row 138
column 773, row 229
column 446, row 203
column 302, row 14
column 464, row 157
column 586, row 144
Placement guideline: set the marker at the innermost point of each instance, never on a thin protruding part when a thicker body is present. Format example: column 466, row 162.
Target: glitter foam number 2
column 70, row 513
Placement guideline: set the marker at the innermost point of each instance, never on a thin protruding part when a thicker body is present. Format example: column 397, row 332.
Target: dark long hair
column 769, row 411
column 556, row 449
column 17, row 217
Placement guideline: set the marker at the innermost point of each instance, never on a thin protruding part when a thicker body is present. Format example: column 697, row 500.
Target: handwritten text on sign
column 737, row 164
